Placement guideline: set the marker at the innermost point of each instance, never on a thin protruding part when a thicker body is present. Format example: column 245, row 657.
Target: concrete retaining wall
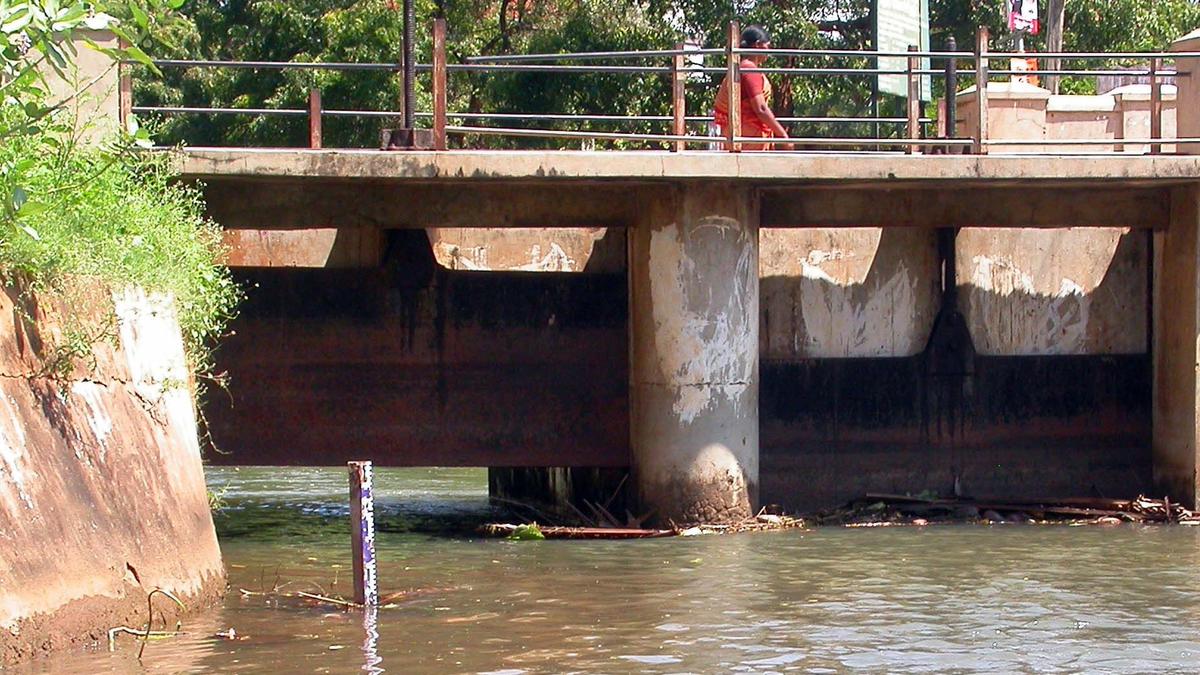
column 102, row 495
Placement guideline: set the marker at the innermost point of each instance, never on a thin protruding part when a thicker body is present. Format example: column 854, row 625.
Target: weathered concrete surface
column 1177, row 350
column 319, row 247
column 552, row 167
column 946, row 205
column 102, row 495
column 864, row 292
column 410, row 364
column 694, row 313
column 591, row 249
column 1188, row 101
column 1068, row 291
column 93, row 76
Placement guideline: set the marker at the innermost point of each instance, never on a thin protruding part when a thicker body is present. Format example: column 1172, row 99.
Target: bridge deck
column 655, row 166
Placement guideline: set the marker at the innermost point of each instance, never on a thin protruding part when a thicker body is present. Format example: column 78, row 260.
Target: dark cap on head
column 752, row 35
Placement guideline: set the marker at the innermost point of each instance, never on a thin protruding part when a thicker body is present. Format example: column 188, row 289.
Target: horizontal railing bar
column 824, row 71
column 1092, row 55
column 182, row 110
column 538, row 68
column 854, row 52
column 856, row 141
column 508, row 116
column 1117, row 73
column 274, row 65
column 1094, row 141
column 597, row 135
column 584, row 56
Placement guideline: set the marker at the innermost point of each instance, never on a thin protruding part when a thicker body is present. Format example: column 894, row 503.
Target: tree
column 369, row 31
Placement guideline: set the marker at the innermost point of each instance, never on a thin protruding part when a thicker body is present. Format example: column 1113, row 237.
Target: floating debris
column 761, row 522
column 880, row 510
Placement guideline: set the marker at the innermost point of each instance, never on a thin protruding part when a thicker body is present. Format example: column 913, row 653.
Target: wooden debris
column 876, row 509
column 761, row 522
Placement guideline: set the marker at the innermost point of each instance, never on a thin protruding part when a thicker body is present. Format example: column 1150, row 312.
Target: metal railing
column 915, row 125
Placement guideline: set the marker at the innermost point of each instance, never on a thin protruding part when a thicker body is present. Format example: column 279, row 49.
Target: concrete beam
column 951, row 206
column 296, row 204
column 652, row 166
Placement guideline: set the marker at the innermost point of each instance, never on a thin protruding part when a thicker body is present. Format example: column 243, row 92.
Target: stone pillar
column 693, row 271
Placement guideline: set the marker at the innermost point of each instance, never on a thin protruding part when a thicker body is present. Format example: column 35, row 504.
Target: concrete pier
column 1176, row 314
column 693, row 275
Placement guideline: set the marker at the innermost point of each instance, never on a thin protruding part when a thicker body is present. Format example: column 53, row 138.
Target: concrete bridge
column 731, row 328
column 381, row 353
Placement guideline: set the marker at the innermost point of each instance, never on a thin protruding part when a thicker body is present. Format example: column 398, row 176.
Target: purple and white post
column 362, row 533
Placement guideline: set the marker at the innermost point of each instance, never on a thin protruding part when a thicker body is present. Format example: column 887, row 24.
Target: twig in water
column 150, row 616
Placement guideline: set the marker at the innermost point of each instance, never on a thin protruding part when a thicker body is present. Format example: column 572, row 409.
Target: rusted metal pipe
column 733, row 86
column 914, row 101
column 410, row 65
column 981, row 85
column 678, row 97
column 439, row 85
column 951, row 90
column 314, row 119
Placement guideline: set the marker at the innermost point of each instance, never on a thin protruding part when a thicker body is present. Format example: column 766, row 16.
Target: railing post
column 1156, row 107
column 981, row 86
column 733, row 89
column 362, row 533
column 124, row 90
column 439, row 84
column 951, row 90
column 410, row 66
column 678, row 98
column 314, row 118
column 914, row 101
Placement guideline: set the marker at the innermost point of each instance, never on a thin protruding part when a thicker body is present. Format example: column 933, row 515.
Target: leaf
column 140, row 17
column 32, row 209
column 16, row 21
column 31, row 232
column 134, row 52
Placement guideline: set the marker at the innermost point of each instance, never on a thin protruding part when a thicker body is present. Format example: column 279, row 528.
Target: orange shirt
column 753, row 84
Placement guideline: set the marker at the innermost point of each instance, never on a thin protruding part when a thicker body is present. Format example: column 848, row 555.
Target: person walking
column 758, row 121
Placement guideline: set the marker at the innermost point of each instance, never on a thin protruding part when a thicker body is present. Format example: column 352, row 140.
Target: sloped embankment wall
column 102, row 495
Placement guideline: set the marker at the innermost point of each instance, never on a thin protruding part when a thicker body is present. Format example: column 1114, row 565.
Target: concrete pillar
column 1177, row 348
column 1177, row 310
column 1187, row 97
column 693, row 271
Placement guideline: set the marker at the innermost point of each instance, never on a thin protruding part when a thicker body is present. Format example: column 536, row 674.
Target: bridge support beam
column 693, row 269
column 1176, row 440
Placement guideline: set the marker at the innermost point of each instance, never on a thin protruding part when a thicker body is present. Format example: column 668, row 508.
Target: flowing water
column 1008, row 598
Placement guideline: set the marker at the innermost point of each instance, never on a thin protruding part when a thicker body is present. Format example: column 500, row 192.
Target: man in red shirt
column 758, row 121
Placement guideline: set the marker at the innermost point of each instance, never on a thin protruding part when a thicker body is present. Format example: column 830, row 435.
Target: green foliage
column 100, row 212
column 530, row 532
column 370, row 30
column 121, row 220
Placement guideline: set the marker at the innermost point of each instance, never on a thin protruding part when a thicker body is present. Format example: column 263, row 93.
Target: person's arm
column 764, row 113
column 754, row 89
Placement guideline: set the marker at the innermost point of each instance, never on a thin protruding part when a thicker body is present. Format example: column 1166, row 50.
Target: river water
column 1012, row 598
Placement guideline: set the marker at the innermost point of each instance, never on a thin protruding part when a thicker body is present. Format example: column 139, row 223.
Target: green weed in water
column 529, row 532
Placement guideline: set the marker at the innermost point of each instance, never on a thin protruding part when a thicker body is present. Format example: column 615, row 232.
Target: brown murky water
column 959, row 598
